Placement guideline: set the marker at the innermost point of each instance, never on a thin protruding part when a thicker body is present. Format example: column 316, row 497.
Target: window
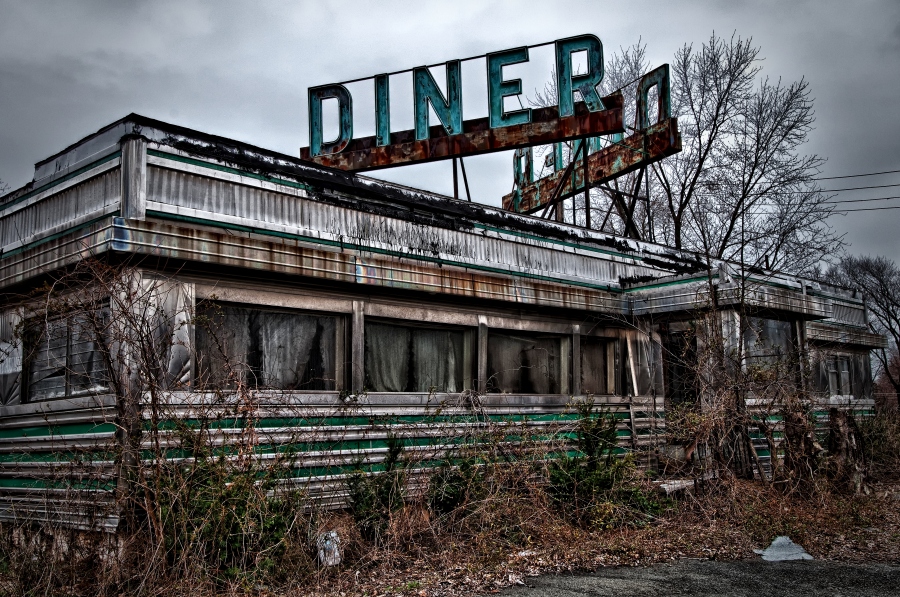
column 680, row 350
column 264, row 348
column 643, row 364
column 598, row 359
column 406, row 358
column 768, row 341
column 528, row 363
column 839, row 376
column 63, row 357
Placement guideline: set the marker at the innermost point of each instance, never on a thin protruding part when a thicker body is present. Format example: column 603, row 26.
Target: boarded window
column 404, row 358
column 264, row 348
column 64, row 358
column 528, row 363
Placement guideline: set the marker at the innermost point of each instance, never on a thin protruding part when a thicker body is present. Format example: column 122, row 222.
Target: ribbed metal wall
column 186, row 193
column 25, row 222
column 57, row 462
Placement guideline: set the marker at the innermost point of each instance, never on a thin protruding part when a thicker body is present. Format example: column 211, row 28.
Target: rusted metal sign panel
column 477, row 136
column 637, row 151
column 455, row 137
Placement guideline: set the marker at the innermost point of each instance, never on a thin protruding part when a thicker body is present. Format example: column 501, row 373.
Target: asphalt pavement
column 758, row 578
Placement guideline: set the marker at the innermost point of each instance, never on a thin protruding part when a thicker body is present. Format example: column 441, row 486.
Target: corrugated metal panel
column 90, row 240
column 220, row 201
column 827, row 332
column 329, row 437
column 57, row 462
column 848, row 313
column 248, row 252
column 28, row 222
column 690, row 294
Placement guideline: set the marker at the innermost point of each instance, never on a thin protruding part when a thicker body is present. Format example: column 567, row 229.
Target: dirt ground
column 702, row 548
column 735, row 578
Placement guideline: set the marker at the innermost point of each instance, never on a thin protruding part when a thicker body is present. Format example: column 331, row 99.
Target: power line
column 862, row 200
column 841, row 211
column 812, row 191
column 856, row 175
column 879, row 186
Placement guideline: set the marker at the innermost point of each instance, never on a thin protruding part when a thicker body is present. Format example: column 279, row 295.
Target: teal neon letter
column 567, row 83
column 448, row 110
column 345, row 118
column 523, row 166
column 498, row 88
column 658, row 77
column 382, row 111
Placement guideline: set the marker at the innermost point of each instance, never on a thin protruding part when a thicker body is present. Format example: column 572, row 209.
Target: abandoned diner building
column 356, row 309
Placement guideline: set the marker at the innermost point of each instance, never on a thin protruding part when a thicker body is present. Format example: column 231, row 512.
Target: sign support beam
column 633, row 153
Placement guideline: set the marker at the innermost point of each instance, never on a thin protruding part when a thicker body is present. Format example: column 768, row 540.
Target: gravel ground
column 734, row 578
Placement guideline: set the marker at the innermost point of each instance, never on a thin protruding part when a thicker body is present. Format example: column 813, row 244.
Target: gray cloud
column 241, row 69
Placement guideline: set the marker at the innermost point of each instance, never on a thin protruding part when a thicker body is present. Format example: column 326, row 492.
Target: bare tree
column 740, row 189
column 879, row 279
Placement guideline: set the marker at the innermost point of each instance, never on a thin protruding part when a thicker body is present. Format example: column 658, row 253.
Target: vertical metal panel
column 134, row 178
column 357, row 344
column 256, row 207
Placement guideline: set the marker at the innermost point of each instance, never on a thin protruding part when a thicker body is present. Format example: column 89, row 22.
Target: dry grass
column 513, row 533
column 506, row 528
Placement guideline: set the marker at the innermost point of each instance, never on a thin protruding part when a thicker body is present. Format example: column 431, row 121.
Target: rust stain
column 477, row 137
column 637, row 151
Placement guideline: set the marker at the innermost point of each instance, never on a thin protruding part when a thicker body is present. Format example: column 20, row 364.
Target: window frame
column 30, row 353
column 341, row 343
column 469, row 356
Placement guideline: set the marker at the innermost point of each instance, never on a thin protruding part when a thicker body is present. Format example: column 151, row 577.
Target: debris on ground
column 783, row 549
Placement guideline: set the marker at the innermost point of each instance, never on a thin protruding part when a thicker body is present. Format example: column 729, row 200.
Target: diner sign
column 456, row 137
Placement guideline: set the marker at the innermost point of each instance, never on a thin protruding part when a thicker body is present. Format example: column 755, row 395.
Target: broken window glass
column 643, row 364
column 264, row 348
column 528, row 363
column 64, row 356
column 406, row 358
column 10, row 372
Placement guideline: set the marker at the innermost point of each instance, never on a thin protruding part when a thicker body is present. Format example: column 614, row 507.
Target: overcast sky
column 242, row 69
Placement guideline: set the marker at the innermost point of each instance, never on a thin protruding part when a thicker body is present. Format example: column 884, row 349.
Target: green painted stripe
column 220, row 168
column 366, row 249
column 364, row 421
column 59, row 181
column 58, row 430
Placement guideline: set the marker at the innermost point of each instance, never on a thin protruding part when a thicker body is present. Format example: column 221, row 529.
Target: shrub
column 594, row 486
column 374, row 497
column 452, row 488
column 230, row 519
column 881, row 441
